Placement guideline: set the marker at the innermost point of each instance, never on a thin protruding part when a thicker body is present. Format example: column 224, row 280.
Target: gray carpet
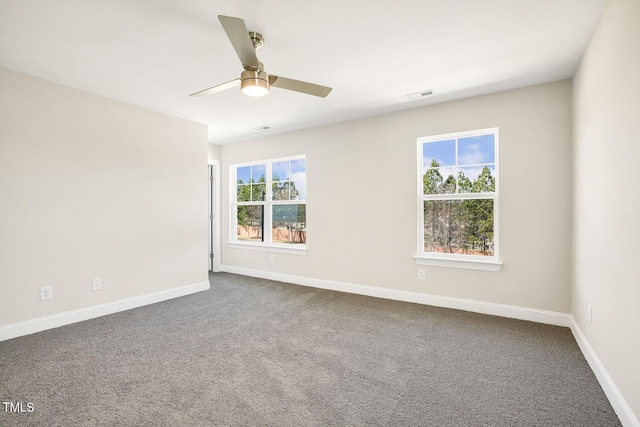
column 253, row 352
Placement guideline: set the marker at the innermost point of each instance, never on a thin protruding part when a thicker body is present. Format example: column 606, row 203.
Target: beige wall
column 606, row 270
column 213, row 151
column 95, row 188
column 362, row 191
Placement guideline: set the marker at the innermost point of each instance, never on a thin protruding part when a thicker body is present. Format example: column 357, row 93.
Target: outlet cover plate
column 46, row 292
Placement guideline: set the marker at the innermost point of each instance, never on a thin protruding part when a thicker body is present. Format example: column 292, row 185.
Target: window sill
column 283, row 249
column 468, row 264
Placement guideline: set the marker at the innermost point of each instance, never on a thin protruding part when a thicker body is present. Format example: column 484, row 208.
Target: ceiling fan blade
column 239, row 37
column 218, row 88
column 299, row 86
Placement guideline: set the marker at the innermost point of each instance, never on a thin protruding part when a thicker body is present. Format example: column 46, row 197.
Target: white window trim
column 267, row 245
column 470, row 262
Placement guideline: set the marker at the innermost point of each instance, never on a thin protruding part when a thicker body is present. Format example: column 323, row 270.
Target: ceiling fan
column 254, row 80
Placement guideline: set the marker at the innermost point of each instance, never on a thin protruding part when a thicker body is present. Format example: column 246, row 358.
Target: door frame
column 215, row 247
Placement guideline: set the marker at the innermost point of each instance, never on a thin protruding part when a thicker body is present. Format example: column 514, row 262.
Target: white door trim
column 215, row 228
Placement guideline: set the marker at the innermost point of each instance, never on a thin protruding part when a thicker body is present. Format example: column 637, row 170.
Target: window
column 458, row 200
column 270, row 195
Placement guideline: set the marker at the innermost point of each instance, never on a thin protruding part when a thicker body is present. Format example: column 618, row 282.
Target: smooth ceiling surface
column 154, row 53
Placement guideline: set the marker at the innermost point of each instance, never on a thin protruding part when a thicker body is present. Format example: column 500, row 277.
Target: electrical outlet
column 46, row 292
column 590, row 313
column 421, row 274
column 96, row 284
column 272, row 258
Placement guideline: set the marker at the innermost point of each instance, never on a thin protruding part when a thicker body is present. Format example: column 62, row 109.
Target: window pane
column 289, row 224
column 258, row 192
column 477, row 179
column 280, row 190
column 244, row 193
column 244, row 174
column 298, row 190
column 439, row 153
column 442, row 226
column 478, row 227
column 298, row 169
column 459, row 226
column 439, row 181
column 288, row 190
column 280, row 171
column 476, row 150
column 259, row 173
column 250, row 223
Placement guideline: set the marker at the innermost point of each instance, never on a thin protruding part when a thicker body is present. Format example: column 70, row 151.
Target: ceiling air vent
column 420, row 94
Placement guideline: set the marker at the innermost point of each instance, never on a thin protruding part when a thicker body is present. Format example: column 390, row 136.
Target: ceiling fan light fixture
column 254, row 83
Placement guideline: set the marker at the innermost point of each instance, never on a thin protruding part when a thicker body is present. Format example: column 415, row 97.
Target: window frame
column 464, row 261
column 267, row 244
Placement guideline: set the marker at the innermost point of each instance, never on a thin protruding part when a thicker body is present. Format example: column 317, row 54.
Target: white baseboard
column 624, row 412
column 515, row 312
column 48, row 322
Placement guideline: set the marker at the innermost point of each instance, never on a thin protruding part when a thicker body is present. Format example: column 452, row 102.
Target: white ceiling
column 154, row 53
